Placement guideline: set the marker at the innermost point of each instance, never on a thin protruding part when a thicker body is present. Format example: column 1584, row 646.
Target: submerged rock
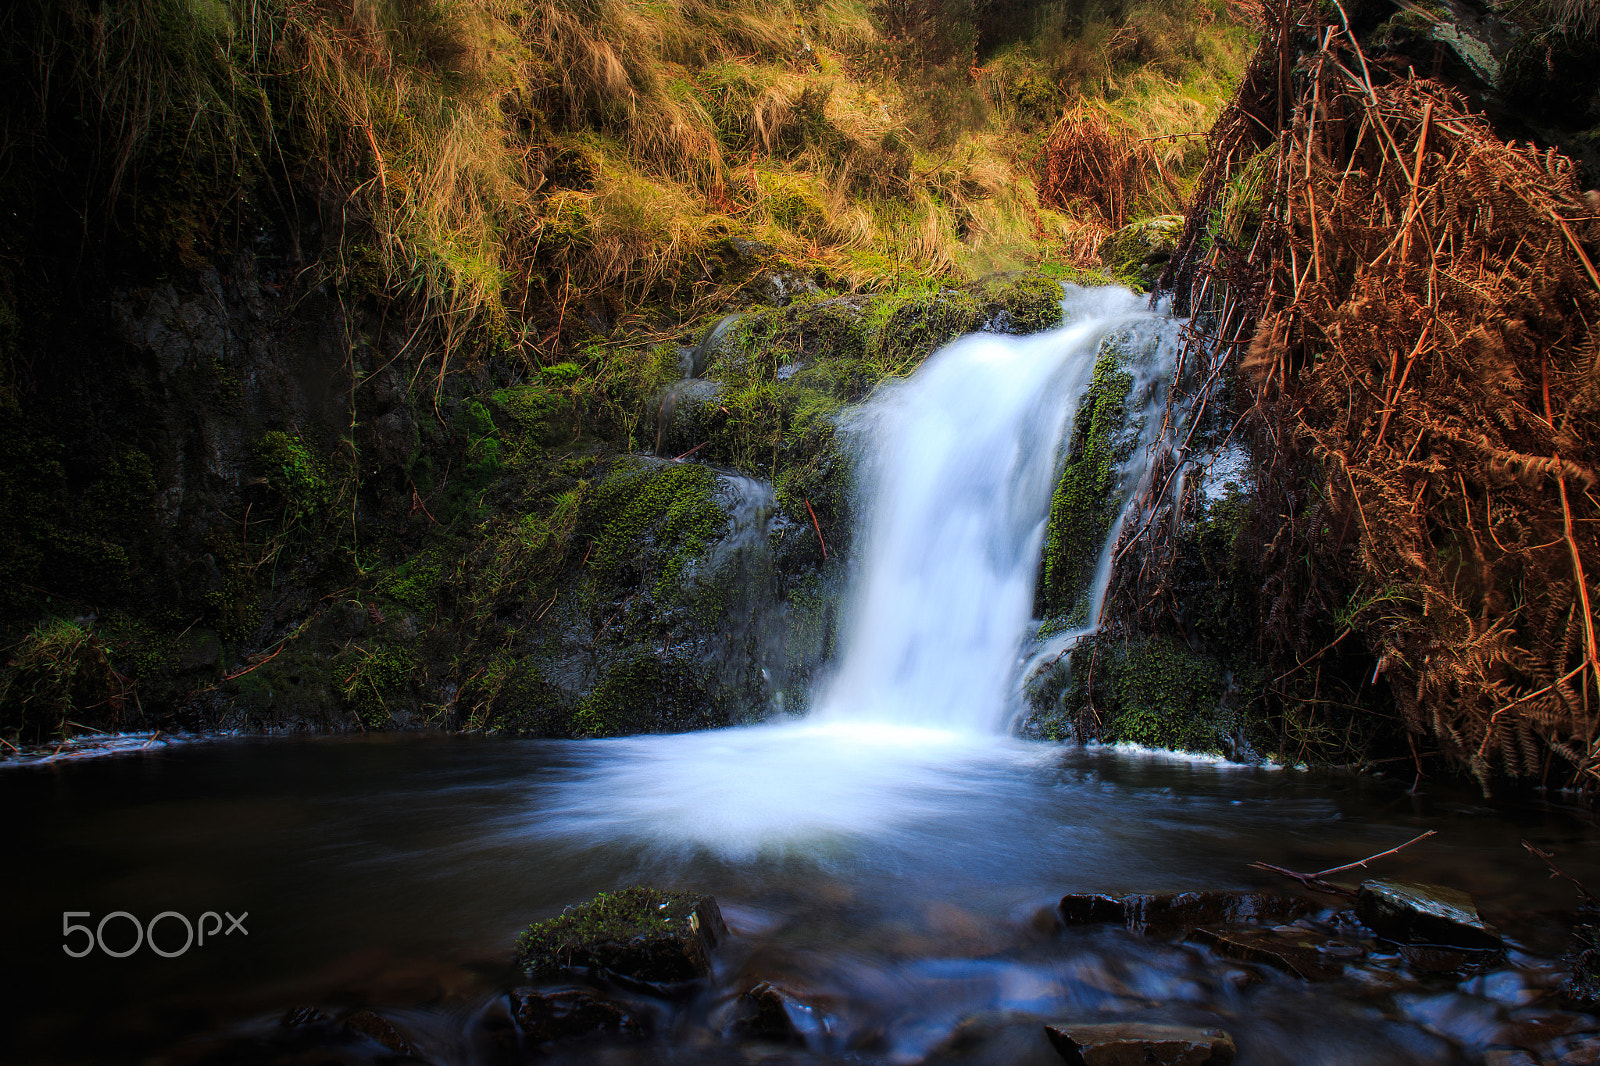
column 1165, row 914
column 376, row 1027
column 1302, row 952
column 549, row 1016
column 1411, row 913
column 769, row 1011
column 1140, row 1044
column 642, row 935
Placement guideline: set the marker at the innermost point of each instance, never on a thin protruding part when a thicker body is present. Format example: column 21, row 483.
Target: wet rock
column 1166, row 914
column 770, row 1011
column 1304, row 953
column 548, row 1016
column 1407, row 912
column 377, row 1027
column 640, row 934
column 1429, row 959
column 298, row 1016
column 1140, row 1044
column 1508, row 1057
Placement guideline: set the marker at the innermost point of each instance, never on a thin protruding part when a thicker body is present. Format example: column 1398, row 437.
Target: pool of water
column 901, row 879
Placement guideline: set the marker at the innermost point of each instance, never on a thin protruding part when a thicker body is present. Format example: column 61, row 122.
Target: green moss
column 1165, row 696
column 511, row 696
column 669, row 511
column 611, row 918
column 415, row 583
column 378, row 678
column 1084, row 503
column 58, row 679
column 644, row 692
column 1136, row 254
column 294, row 474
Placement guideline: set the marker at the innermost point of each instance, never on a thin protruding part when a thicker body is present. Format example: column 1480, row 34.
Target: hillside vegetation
column 504, row 160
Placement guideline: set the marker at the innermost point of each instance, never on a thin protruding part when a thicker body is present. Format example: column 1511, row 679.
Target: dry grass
column 1422, row 314
column 498, row 161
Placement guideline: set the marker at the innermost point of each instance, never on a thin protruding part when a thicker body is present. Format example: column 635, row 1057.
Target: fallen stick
column 1556, row 871
column 1315, row 881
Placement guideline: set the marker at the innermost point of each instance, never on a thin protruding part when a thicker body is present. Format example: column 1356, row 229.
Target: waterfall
column 957, row 470
column 958, row 465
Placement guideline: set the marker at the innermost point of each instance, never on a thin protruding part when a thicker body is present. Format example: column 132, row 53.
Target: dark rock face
column 547, row 1016
column 640, row 935
column 1410, row 913
column 1167, row 914
column 1140, row 1044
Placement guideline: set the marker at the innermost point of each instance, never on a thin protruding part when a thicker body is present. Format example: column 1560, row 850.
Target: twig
column 1556, row 871
column 1315, row 881
column 263, row 662
column 1369, row 858
column 818, row 527
column 691, row 451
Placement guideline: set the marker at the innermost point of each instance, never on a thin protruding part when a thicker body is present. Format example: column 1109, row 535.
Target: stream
column 895, row 857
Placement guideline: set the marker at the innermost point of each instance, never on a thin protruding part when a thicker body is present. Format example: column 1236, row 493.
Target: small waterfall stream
column 958, row 467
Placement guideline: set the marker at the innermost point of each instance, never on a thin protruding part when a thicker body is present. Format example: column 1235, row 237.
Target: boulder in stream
column 1411, row 913
column 639, row 935
column 1140, row 1044
column 1170, row 913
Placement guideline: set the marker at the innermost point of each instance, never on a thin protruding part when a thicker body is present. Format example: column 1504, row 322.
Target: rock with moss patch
column 1137, row 253
column 641, row 935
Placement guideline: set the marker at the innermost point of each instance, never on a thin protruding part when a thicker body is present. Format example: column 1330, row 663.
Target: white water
column 959, row 462
column 960, row 465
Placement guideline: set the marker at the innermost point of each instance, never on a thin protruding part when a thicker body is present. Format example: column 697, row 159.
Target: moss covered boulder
column 1137, row 253
column 642, row 935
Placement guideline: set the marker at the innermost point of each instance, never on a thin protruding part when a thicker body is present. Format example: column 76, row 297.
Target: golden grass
column 504, row 158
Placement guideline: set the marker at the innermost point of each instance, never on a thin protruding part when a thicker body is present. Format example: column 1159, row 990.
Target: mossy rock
column 646, row 692
column 643, row 935
column 1137, row 253
column 1085, row 503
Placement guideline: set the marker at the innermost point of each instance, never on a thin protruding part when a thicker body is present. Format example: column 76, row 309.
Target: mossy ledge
column 639, row 934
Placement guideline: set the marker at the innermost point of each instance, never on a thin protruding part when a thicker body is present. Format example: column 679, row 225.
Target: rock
column 1139, row 252
column 1165, row 914
column 1428, row 959
column 640, row 934
column 547, row 1016
column 772, row 1012
column 1411, row 913
column 377, row 1027
column 1140, row 1044
column 1304, row 953
column 298, row 1016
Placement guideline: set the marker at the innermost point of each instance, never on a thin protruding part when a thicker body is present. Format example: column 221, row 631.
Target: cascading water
column 958, row 470
column 956, row 477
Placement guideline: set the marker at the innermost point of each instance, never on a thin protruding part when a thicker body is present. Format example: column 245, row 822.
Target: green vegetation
column 591, row 934
column 264, row 467
column 58, row 680
column 1084, row 503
